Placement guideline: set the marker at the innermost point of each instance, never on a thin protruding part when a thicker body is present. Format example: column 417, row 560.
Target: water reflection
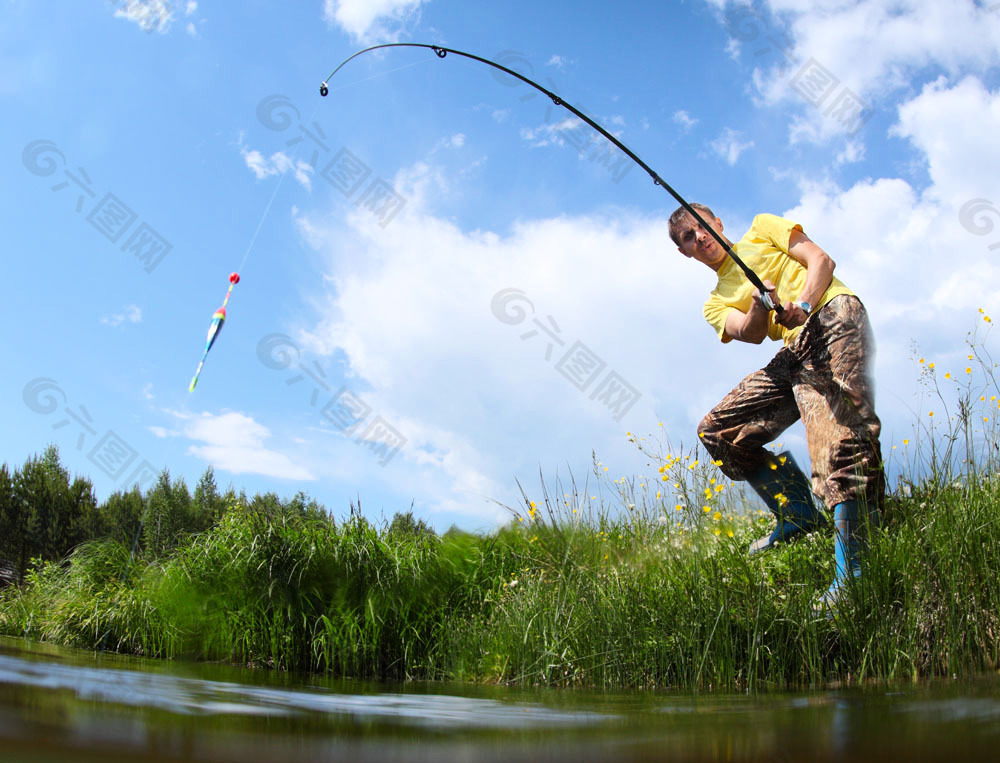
column 66, row 705
column 191, row 696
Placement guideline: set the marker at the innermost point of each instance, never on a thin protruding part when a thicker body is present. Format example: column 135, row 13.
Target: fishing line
column 219, row 316
column 267, row 208
column 442, row 52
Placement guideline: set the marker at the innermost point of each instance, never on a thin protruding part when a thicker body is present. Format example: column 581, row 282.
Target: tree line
column 44, row 514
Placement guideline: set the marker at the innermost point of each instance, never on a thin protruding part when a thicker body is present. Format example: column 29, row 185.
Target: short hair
column 679, row 214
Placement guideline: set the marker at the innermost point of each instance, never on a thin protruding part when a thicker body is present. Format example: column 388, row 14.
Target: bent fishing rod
column 441, row 52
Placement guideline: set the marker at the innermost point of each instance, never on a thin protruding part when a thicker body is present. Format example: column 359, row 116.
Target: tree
column 208, row 505
column 406, row 526
column 33, row 492
column 12, row 521
column 161, row 525
column 121, row 516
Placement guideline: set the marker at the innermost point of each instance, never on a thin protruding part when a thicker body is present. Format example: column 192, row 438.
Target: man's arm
column 819, row 273
column 752, row 326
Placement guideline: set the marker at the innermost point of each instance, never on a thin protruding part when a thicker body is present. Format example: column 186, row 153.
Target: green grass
column 605, row 600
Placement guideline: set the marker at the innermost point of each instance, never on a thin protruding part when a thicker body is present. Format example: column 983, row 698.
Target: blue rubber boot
column 785, row 490
column 847, row 537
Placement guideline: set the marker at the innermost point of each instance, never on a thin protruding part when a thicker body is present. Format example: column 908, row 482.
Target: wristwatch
column 806, row 307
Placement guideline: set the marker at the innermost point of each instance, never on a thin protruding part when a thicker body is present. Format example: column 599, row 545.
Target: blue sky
column 151, row 148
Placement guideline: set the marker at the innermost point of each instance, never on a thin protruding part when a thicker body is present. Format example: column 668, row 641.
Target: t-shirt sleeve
column 716, row 311
column 774, row 230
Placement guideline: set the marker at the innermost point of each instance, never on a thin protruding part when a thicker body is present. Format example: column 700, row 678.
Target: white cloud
column 132, row 314
column 150, row 15
column 278, row 164
column 479, row 404
column 453, row 141
column 190, row 8
column 371, row 20
column 730, row 144
column 684, row 119
column 558, row 61
column 234, row 442
column 868, row 49
column 956, row 129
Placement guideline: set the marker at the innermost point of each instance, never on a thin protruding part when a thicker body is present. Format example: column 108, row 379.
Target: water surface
column 59, row 704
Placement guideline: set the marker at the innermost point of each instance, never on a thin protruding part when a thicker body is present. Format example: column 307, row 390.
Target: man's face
column 698, row 243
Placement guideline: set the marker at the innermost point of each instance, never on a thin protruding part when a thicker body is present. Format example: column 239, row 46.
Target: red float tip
column 234, row 278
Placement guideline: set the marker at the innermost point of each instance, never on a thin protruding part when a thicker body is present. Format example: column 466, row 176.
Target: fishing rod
column 441, row 52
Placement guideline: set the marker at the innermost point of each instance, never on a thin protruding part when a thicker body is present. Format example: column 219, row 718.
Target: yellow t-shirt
column 764, row 249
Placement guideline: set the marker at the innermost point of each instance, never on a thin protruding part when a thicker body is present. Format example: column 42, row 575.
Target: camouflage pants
column 823, row 376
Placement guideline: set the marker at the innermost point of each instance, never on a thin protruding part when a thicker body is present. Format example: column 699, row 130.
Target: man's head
column 694, row 241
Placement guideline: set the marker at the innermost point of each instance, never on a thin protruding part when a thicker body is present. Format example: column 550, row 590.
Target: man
column 822, row 374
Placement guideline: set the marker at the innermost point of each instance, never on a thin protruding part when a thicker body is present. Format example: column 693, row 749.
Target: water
column 59, row 704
